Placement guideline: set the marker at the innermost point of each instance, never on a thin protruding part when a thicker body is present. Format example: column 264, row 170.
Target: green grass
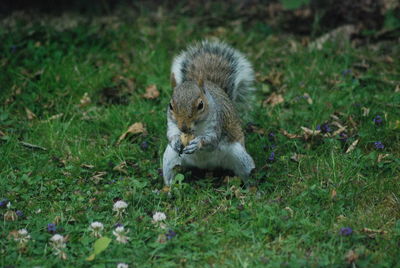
column 293, row 218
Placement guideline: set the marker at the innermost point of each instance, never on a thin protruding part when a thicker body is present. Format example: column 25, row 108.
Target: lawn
column 324, row 133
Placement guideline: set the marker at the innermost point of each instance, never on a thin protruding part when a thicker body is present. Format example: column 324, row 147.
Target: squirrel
column 212, row 83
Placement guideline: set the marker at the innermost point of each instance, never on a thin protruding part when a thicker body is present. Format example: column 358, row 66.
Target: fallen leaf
column 373, row 231
column 333, row 194
column 274, row 77
column 121, row 167
column 53, row 117
column 338, row 131
column 57, row 219
column 87, row 166
column 273, row 99
column 365, row 111
column 296, row 157
column 85, row 100
column 290, row 211
column 13, row 234
column 290, row 135
column 136, row 128
column 340, row 35
column 381, row 157
column 308, row 98
column 151, row 92
column 354, row 124
column 29, row 114
column 351, row 256
column 310, row 133
column 162, row 239
column 352, row 147
column 98, row 176
column 166, row 189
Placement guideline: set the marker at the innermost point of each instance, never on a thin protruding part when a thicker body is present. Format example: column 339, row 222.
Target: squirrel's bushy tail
column 218, row 63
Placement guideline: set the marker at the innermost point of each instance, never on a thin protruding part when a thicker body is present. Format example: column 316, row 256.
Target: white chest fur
column 221, row 157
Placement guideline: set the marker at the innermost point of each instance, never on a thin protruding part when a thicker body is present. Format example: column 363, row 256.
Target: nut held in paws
column 186, row 138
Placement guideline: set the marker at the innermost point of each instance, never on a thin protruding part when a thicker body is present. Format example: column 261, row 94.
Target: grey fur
column 221, row 64
column 222, row 78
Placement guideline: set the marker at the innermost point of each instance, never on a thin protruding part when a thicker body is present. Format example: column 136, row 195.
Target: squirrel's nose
column 185, row 129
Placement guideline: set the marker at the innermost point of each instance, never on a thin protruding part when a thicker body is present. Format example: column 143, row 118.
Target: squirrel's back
column 218, row 63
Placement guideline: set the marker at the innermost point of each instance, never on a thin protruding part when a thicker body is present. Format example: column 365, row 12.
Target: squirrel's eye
column 201, row 105
column 170, row 107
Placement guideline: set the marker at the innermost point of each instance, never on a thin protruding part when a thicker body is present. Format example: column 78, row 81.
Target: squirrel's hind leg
column 171, row 159
column 239, row 161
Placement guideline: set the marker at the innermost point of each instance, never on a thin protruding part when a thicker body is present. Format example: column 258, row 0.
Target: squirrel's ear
column 173, row 81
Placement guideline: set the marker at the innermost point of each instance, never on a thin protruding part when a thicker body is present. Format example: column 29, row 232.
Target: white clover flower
column 22, row 237
column 23, row 232
column 120, row 207
column 57, row 238
column 58, row 243
column 96, row 228
column 159, row 216
column 122, row 265
column 120, row 234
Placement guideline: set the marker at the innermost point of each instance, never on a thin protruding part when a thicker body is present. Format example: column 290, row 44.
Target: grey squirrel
column 211, row 83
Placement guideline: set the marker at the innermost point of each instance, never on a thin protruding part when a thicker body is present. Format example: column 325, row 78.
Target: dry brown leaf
column 136, row 128
column 365, row 111
column 373, row 231
column 337, row 123
column 85, row 100
column 151, row 92
column 13, row 234
column 98, row 176
column 352, row 147
column 57, row 219
column 253, row 189
column 29, row 114
column 2, row 134
column 290, row 135
column 308, row 98
column 351, row 256
column 338, row 131
column 53, row 117
column 166, row 189
column 274, row 78
column 381, row 157
column 339, row 35
column 309, row 132
column 121, row 167
column 334, row 117
column 333, row 194
column 297, row 157
column 291, row 212
column 273, row 99
column 87, row 166
column 354, row 124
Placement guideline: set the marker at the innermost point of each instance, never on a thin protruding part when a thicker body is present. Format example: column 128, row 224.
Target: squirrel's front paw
column 177, row 145
column 193, row 146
